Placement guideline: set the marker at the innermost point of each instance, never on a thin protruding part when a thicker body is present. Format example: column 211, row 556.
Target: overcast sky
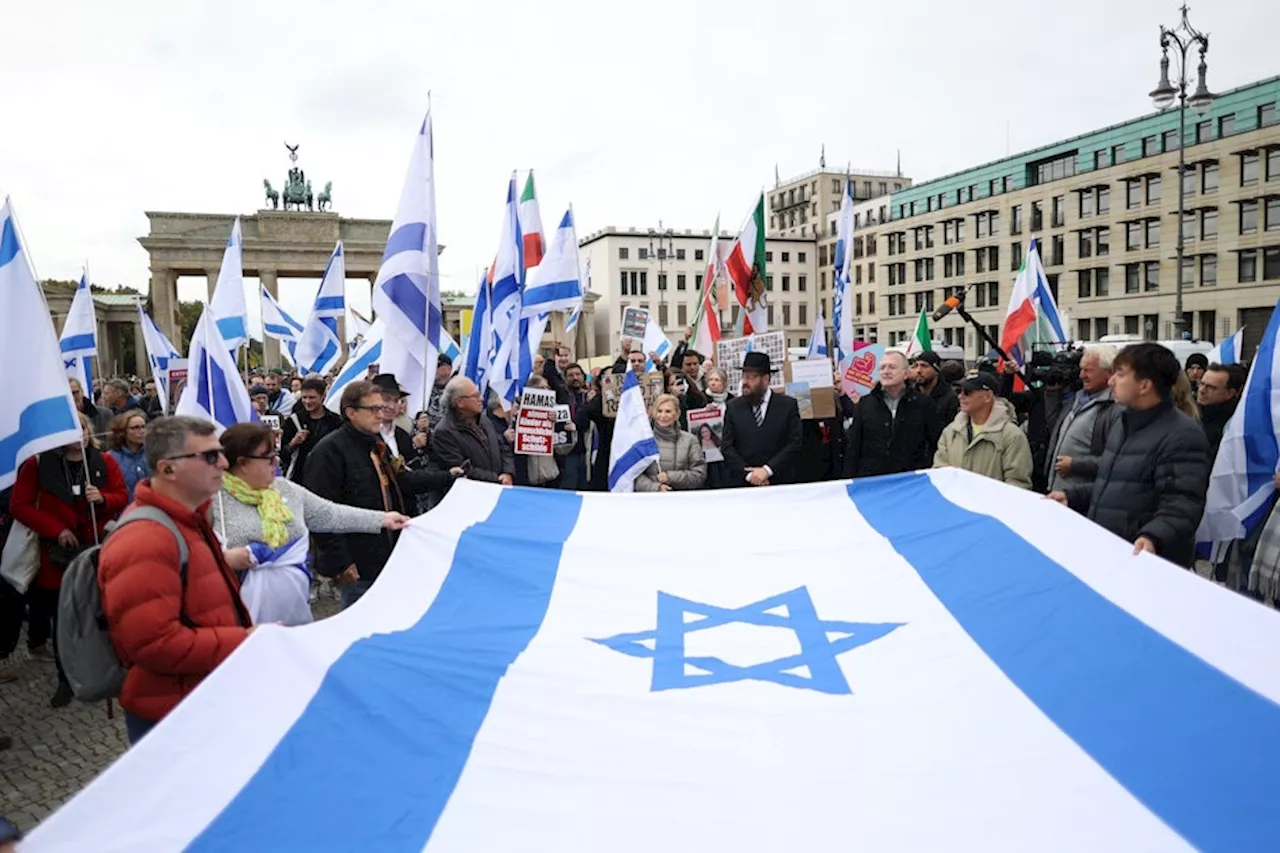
column 667, row 110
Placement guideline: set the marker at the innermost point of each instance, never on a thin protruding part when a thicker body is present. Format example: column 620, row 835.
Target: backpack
column 83, row 642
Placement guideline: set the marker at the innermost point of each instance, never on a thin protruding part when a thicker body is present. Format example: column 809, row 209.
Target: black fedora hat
column 386, row 382
column 757, row 361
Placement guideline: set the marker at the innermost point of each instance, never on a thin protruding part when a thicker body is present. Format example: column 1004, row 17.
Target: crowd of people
column 307, row 499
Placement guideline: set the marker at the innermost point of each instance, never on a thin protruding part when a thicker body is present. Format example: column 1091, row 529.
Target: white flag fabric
column 818, row 337
column 228, row 302
column 79, row 339
column 633, row 448
column 276, row 323
column 319, row 346
column 554, row 284
column 842, row 259
column 512, row 362
column 656, row 340
column 356, row 367
column 37, row 412
column 1228, row 352
column 159, row 352
column 478, row 360
column 887, row 665
column 215, row 390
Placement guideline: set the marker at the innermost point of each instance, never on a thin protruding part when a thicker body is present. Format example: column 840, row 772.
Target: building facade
column 1103, row 208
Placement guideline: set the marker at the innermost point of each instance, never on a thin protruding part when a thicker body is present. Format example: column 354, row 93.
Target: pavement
column 55, row 753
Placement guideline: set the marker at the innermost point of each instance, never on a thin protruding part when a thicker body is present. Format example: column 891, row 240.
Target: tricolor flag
column 921, row 340
column 634, row 448
column 215, row 390
column 1228, row 352
column 319, row 347
column 37, row 412
column 535, row 245
column 79, row 339
column 706, row 320
column 277, row 324
column 228, row 303
column 843, row 260
column 818, row 337
column 746, row 268
column 159, row 353
column 1032, row 318
column 993, row 673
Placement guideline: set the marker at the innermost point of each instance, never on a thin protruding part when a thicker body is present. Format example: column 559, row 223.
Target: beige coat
column 682, row 460
column 1000, row 451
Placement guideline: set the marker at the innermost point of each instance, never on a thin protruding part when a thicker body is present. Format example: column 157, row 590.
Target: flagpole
column 208, row 378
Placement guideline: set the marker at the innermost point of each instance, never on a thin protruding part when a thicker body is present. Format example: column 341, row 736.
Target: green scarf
column 271, row 508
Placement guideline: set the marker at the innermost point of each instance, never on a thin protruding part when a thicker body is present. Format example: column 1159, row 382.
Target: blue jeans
column 574, row 476
column 352, row 592
column 136, row 727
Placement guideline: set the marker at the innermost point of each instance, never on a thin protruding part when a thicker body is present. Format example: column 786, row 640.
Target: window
column 622, row 282
column 1248, row 168
column 662, row 281
column 1015, row 252
column 1271, row 263
column 1085, row 247
column 1132, row 278
column 1248, row 266
column 800, row 257
column 980, row 296
column 857, row 303
column 1208, row 270
column 682, row 315
column 1153, row 233
column 1209, row 224
column 786, row 283
column 1273, row 164
column 1043, row 171
column 786, row 315
column 1153, row 189
column 1204, row 131
column 622, row 253
column 768, row 257
column 1084, row 284
column 681, row 281
column 802, row 282
column 1188, row 272
column 871, row 302
column 1132, row 236
column 1188, row 226
column 642, row 253
column 1117, row 153
column 993, row 292
column 768, row 282
column 1152, row 277
column 1150, row 145
column 1189, row 181
column 1133, row 194
column 1249, row 217
column 1101, row 158
column 697, row 282
column 699, row 255
column 1170, row 140
column 1227, row 125
column 644, row 283
column 1209, row 178
column 1103, row 241
column 1273, row 214
column 1015, row 219
column 679, row 254
column 1086, row 203
column 1059, row 253
column 1104, row 200
column 1101, row 281
column 770, row 319
column 1266, row 114
column 1037, row 216
column 786, row 257
column 804, row 314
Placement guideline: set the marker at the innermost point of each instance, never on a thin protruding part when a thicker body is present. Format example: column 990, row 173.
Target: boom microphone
column 951, row 303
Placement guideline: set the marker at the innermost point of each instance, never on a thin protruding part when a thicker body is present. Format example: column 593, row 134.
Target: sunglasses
column 270, row 457
column 210, row 457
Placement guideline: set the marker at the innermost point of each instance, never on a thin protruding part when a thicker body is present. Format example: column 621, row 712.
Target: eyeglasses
column 270, row 457
column 210, row 457
column 378, row 408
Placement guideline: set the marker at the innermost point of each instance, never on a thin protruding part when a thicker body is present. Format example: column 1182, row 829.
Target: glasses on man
column 379, row 408
column 209, row 457
column 270, row 457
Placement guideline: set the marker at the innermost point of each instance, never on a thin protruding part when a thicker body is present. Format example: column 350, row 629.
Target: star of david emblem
column 814, row 668
column 68, row 363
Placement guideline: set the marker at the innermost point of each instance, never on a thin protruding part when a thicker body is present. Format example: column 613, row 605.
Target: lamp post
column 662, row 251
column 1184, row 38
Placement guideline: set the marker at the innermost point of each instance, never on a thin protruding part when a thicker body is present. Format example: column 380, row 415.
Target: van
column 1180, row 348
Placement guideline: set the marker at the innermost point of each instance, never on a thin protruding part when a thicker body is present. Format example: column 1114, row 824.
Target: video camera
column 1056, row 369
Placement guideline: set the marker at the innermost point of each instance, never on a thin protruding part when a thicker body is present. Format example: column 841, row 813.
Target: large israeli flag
column 214, row 390
column 79, row 339
column 891, row 665
column 319, row 346
column 228, row 302
column 1228, row 352
column 633, row 448
column 37, row 412
column 159, row 353
column 276, row 323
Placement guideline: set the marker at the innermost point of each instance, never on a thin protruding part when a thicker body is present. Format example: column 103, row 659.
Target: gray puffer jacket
column 680, row 457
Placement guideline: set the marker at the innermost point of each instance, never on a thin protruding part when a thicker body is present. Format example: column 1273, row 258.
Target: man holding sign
column 762, row 430
column 893, row 427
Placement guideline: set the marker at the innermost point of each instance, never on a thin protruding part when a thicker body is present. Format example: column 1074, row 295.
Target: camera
column 1056, row 370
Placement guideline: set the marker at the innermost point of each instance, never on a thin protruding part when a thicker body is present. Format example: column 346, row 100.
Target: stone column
column 342, row 335
column 373, row 280
column 141, row 365
column 106, row 369
column 212, row 277
column 270, row 346
column 164, row 305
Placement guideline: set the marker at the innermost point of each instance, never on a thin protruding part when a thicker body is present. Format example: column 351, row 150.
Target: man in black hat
column 762, row 430
column 926, row 369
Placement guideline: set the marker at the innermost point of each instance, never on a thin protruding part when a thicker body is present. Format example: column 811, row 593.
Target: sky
column 667, row 110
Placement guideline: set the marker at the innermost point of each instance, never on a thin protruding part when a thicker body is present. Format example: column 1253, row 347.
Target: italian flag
column 531, row 225
column 706, row 325
column 746, row 268
column 920, row 340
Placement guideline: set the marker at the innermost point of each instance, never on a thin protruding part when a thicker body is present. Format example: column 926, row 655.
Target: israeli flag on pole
column 406, row 294
column 37, row 412
column 512, row 362
column 228, row 302
column 356, row 368
column 449, row 348
column 555, row 284
column 818, row 340
column 159, row 352
column 843, row 259
column 319, row 346
column 79, row 341
column 1228, row 352
column 477, row 363
column 276, row 323
column 633, row 448
column 572, row 322
column 214, row 390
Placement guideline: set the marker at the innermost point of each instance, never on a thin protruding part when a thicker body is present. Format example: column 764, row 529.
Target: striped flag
column 159, row 353
column 706, row 321
column 633, row 448
column 818, row 337
column 215, row 390
column 277, row 324
column 521, row 677
column 479, row 355
column 37, row 412
column 356, row 367
column 842, row 320
column 319, row 346
column 1228, row 352
column 512, row 362
column 921, row 340
column 79, row 340
column 746, row 268
column 554, row 284
column 228, row 303
column 1032, row 318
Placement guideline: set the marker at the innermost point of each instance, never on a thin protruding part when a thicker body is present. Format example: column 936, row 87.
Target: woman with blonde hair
column 1184, row 399
column 125, row 441
column 681, row 465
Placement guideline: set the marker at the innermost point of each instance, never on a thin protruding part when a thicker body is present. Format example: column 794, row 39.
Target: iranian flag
column 1033, row 317
column 746, row 268
column 531, row 225
column 920, row 341
column 706, row 323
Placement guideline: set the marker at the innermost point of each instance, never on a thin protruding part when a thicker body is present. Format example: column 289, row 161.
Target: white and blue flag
column 555, row 284
column 406, row 294
column 478, row 359
column 634, row 448
column 572, row 322
column 159, row 353
column 79, row 340
column 215, row 390
column 512, row 362
column 818, row 338
column 520, row 677
column 37, row 412
column 319, row 346
column 841, row 310
column 276, row 323
column 1228, row 352
column 228, row 302
column 367, row 352
column 1243, row 478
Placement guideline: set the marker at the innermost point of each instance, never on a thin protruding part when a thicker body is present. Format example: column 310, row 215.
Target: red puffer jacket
column 141, row 589
column 44, row 501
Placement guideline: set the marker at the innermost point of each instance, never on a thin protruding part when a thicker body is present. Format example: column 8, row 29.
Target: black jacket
column 453, row 444
column 151, row 407
column 877, row 442
column 341, row 469
column 1151, row 481
column 1214, row 420
column 946, row 405
column 317, row 429
column 776, row 443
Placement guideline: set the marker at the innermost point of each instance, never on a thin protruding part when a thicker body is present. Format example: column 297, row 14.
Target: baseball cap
column 980, row 381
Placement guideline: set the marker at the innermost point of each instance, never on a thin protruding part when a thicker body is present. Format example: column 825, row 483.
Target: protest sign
column 651, row 385
column 731, row 351
column 707, row 425
column 811, row 382
column 536, row 430
column 634, row 323
column 861, row 371
column 538, row 397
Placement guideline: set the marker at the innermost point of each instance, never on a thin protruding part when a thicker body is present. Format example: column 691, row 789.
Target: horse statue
column 325, row 199
column 309, row 196
column 295, row 194
column 272, row 195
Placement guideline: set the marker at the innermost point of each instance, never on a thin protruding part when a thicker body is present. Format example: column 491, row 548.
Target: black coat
column 1214, row 420
column 317, row 429
column 1151, row 481
column 877, row 442
column 454, row 444
column 340, row 469
column 776, row 443
column 946, row 405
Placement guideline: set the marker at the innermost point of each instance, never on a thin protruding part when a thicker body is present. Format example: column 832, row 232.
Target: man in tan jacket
column 985, row 437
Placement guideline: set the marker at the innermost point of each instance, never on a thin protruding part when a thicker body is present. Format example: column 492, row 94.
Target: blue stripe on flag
column 635, row 454
column 407, row 705
column 1261, row 446
column 409, row 237
column 1170, row 728
column 8, row 241
column 212, row 379
column 406, row 296
column 274, row 329
column 75, row 343
column 43, row 417
column 329, row 351
column 231, row 328
column 330, row 303
column 555, row 292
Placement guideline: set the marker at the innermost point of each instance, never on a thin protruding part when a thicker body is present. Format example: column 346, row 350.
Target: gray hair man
column 1081, row 434
column 467, row 439
column 116, row 396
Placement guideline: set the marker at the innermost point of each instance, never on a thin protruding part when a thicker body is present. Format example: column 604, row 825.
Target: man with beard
column 762, row 430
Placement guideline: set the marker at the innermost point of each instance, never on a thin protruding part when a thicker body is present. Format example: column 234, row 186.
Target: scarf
column 271, row 508
column 666, row 433
column 718, row 399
